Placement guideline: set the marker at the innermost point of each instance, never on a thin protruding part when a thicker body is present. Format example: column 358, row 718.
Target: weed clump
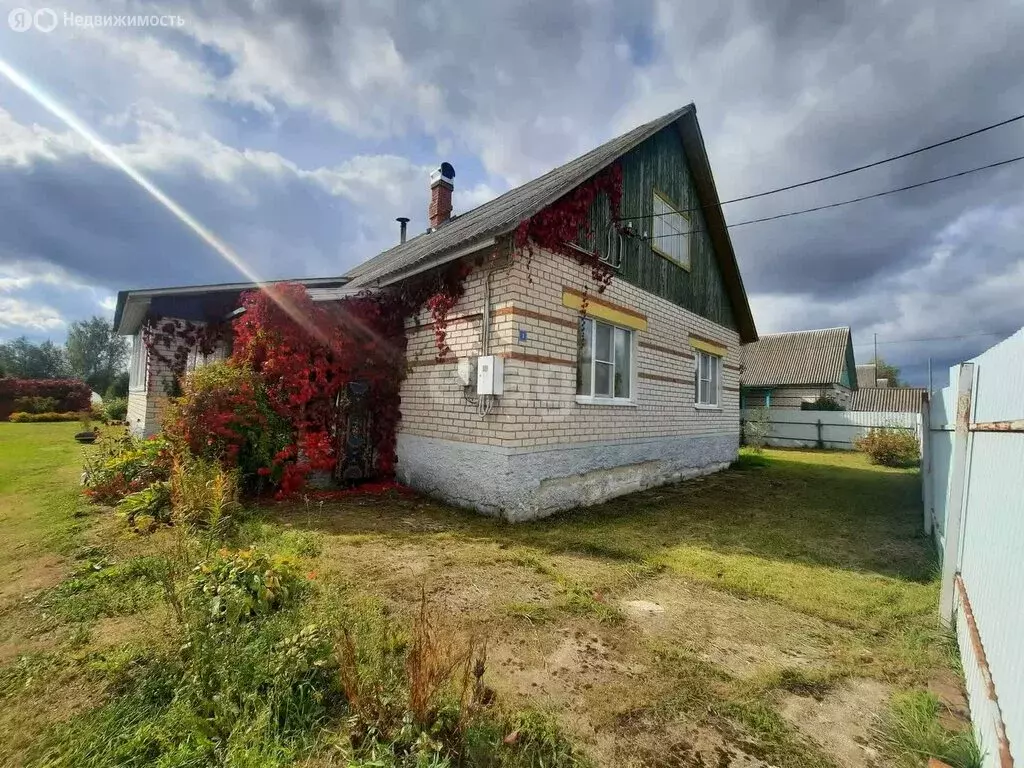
column 890, row 447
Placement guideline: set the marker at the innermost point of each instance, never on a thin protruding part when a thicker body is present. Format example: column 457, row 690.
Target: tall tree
column 885, row 371
column 23, row 359
column 95, row 352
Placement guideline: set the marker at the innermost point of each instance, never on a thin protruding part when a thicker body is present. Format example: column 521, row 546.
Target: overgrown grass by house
column 775, row 614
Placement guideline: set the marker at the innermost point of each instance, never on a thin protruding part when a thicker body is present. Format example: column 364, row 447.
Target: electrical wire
column 836, row 175
column 848, row 202
column 932, row 338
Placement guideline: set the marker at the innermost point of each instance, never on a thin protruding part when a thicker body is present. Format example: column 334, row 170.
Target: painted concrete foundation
column 527, row 483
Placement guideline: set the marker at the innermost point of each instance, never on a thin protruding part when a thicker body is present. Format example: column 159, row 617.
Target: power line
column 851, row 200
column 837, row 174
column 934, row 338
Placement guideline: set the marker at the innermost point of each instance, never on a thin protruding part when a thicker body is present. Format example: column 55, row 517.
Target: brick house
column 553, row 395
column 788, row 370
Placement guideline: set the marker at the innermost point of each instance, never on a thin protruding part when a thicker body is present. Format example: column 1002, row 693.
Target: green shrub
column 823, row 403
column 223, row 415
column 36, row 404
column 147, row 508
column 116, row 408
column 890, row 447
column 204, row 494
column 238, row 585
column 119, row 465
column 21, row 417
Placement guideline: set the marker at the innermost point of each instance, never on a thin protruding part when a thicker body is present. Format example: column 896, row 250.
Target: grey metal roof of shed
column 900, row 399
column 800, row 357
column 505, row 212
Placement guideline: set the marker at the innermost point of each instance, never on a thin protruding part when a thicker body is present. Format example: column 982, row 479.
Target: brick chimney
column 442, row 182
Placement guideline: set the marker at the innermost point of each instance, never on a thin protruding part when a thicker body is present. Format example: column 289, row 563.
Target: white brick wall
column 539, row 405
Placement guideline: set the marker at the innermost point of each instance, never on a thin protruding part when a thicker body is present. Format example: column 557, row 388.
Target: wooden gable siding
column 660, row 163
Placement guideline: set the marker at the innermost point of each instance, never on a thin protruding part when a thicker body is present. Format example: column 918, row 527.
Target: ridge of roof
column 504, row 213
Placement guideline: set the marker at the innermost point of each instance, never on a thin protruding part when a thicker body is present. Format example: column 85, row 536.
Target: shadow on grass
column 815, row 509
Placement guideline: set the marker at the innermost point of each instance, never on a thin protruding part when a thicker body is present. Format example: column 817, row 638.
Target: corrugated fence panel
column 791, row 428
column 990, row 584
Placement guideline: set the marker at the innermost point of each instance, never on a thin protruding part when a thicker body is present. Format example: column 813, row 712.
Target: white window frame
column 591, row 398
column 670, row 229
column 707, row 368
column 137, row 368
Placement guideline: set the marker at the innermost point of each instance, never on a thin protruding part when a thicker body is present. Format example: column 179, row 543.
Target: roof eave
column 700, row 168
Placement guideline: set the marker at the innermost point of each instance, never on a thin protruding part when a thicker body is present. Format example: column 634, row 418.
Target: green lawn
column 40, row 465
column 765, row 615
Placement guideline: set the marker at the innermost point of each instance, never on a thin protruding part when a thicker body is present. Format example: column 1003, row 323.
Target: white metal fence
column 790, row 428
column 973, row 474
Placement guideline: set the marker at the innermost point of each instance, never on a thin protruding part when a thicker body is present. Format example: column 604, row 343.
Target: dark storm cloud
column 785, row 91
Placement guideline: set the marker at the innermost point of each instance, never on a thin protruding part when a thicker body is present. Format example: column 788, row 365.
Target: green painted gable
column 659, row 163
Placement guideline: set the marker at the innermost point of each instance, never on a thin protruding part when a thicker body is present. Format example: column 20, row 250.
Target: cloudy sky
column 297, row 130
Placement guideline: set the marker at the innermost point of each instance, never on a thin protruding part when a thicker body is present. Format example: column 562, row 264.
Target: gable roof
column 901, row 399
column 866, row 376
column 503, row 214
column 800, row 357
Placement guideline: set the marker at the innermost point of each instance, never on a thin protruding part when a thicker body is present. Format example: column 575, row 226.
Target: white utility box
column 490, row 375
column 465, row 371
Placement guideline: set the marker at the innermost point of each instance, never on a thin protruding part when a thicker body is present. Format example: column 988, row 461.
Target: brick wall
column 539, row 406
column 147, row 406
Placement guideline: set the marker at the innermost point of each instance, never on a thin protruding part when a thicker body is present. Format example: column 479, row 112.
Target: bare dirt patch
column 743, row 636
column 29, row 575
column 841, row 721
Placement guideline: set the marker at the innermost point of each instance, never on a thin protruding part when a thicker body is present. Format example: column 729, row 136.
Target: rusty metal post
column 956, row 501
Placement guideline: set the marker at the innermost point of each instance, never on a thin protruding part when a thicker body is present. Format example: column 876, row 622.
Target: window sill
column 617, row 401
column 702, row 407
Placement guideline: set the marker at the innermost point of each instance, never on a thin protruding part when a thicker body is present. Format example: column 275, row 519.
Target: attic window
column 670, row 231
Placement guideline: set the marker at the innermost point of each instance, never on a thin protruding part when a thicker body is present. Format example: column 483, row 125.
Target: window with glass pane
column 605, row 360
column 708, row 379
column 137, row 369
column 670, row 232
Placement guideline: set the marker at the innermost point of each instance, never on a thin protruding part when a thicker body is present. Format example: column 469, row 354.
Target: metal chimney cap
column 402, row 220
column 445, row 173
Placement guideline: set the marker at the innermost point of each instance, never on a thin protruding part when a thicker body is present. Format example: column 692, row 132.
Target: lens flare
column 69, row 119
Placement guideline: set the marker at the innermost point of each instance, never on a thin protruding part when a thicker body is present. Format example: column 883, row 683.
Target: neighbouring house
column 555, row 393
column 789, row 370
column 867, row 376
column 889, row 399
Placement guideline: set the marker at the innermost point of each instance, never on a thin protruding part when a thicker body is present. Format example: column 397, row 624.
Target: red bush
column 70, row 394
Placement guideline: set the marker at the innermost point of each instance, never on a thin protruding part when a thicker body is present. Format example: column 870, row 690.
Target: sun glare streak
column 67, row 117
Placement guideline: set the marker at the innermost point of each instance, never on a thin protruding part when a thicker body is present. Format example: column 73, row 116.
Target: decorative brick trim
column 666, row 350
column 432, row 361
column 731, row 367
column 705, row 344
column 451, row 320
column 603, row 309
column 540, row 359
column 523, row 312
column 731, row 389
column 667, row 379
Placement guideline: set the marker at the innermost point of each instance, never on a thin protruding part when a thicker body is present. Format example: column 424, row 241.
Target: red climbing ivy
column 561, row 224
column 171, row 341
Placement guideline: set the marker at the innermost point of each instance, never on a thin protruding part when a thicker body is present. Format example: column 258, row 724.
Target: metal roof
column 801, row 357
column 479, row 226
column 133, row 304
column 901, row 399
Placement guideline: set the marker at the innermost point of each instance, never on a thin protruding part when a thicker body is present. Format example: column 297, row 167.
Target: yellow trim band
column 604, row 311
column 707, row 346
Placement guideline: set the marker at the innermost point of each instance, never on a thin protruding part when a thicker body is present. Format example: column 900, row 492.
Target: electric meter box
column 465, row 371
column 490, row 375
